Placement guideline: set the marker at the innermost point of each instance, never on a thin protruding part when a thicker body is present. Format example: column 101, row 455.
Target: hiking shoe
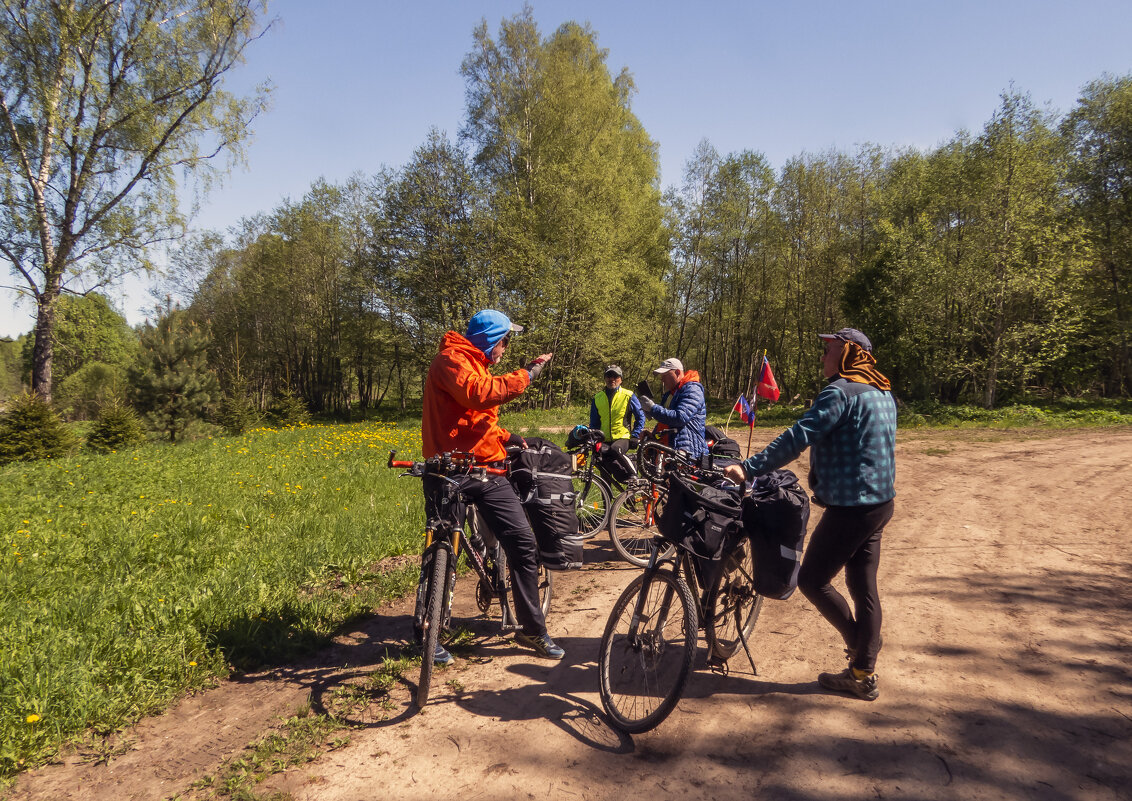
column 543, row 645
column 441, row 656
column 846, row 682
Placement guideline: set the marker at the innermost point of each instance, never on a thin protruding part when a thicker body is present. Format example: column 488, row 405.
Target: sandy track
column 1006, row 578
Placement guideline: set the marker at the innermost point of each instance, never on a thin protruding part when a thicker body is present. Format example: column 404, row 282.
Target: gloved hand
column 633, row 443
column 515, row 441
column 647, row 404
column 535, row 367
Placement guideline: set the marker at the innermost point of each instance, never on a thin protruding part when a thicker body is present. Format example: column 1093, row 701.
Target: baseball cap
column 670, row 364
column 613, row 369
column 850, row 335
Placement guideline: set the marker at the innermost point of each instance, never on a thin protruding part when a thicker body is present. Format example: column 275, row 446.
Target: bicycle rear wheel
column 632, row 524
column 432, row 622
column 733, row 606
column 645, row 667
column 545, row 584
column 592, row 504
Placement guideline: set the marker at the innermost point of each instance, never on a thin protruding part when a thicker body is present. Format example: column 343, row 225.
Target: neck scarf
column 860, row 366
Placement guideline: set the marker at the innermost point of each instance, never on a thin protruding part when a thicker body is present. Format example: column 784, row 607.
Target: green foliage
column 132, row 577
column 106, row 108
column 237, row 412
column 11, row 367
column 90, row 388
column 30, row 429
column 87, row 329
column 288, row 409
column 171, row 381
column 118, row 427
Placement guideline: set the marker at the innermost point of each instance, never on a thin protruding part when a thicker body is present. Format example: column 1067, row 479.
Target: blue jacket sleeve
column 819, row 420
column 689, row 400
column 638, row 416
column 595, row 418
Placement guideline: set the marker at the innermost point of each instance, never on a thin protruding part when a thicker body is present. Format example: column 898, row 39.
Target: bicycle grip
column 393, row 463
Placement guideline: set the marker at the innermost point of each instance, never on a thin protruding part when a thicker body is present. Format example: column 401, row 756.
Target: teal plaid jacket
column 852, row 430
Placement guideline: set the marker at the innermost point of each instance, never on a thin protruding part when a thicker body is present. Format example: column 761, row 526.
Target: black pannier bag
column 701, row 519
column 775, row 514
column 617, row 465
column 722, row 445
column 540, row 474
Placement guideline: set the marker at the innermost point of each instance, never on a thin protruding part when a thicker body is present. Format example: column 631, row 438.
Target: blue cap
column 488, row 327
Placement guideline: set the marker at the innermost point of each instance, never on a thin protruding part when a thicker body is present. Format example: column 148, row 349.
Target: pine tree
column 171, row 381
column 30, row 429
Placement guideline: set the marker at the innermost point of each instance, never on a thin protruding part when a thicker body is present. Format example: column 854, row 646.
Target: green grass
column 132, row 577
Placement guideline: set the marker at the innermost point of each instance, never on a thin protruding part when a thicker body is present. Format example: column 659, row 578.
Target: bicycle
column 593, row 496
column 445, row 541
column 649, row 643
column 632, row 520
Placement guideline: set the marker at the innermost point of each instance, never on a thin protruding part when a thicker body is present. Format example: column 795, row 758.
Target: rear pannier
column 775, row 514
column 541, row 477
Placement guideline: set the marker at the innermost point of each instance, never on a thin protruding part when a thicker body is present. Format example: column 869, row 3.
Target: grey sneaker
column 846, row 682
column 441, row 656
column 543, row 645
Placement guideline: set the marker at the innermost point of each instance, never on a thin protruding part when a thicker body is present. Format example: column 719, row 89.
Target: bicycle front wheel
column 632, row 524
column 592, row 504
column 733, row 605
column 645, row 665
column 432, row 622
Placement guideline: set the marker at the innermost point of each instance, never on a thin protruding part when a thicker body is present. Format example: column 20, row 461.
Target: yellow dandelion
column 192, row 664
column 33, row 718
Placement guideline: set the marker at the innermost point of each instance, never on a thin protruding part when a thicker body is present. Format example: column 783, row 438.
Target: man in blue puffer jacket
column 682, row 408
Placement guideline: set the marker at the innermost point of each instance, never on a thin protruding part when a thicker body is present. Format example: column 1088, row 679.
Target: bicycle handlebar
column 676, row 461
column 446, row 464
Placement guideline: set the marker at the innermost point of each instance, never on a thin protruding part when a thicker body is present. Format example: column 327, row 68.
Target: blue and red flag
column 744, row 410
column 767, row 386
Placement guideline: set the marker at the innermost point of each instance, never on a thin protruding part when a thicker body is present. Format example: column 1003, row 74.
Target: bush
column 92, row 386
column 237, row 412
column 288, row 409
column 116, row 428
column 30, row 429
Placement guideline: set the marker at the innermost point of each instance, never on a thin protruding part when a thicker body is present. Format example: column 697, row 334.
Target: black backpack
column 540, row 474
column 775, row 514
column 721, row 444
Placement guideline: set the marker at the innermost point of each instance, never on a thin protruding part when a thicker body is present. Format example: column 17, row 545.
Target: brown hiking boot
column 846, row 682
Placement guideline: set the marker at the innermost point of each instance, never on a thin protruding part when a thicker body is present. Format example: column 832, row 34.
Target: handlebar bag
column 698, row 517
column 775, row 514
column 540, row 474
column 721, row 444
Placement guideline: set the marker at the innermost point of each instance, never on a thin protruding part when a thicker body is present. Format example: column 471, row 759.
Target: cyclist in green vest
column 613, row 410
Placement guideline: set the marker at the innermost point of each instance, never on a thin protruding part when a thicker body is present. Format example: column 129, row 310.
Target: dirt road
column 1006, row 578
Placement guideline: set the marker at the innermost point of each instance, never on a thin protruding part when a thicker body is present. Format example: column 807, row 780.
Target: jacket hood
column 454, row 341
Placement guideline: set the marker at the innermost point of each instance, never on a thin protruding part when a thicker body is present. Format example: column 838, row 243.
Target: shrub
column 30, row 429
column 117, row 427
column 237, row 411
column 288, row 409
column 92, row 386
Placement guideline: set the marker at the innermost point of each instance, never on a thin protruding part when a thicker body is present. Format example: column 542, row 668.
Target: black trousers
column 848, row 537
column 497, row 502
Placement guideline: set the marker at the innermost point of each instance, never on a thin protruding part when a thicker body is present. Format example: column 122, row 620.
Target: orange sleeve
column 480, row 390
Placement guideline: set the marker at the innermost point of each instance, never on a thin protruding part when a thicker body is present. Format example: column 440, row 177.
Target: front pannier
column 701, row 519
column 775, row 514
column 540, row 475
column 721, row 444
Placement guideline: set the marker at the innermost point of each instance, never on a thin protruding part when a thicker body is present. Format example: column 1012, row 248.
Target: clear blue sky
column 358, row 83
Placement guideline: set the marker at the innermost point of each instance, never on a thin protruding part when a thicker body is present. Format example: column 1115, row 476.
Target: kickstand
column 747, row 648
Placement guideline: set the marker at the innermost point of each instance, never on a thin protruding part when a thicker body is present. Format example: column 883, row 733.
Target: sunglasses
column 506, row 339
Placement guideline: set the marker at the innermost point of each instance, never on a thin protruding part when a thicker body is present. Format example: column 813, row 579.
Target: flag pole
column 755, row 407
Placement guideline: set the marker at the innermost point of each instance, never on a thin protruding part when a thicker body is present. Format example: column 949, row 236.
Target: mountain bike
column 594, row 498
column 445, row 541
column 632, row 520
column 649, row 643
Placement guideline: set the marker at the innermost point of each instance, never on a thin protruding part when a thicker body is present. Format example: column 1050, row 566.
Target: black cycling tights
column 848, row 537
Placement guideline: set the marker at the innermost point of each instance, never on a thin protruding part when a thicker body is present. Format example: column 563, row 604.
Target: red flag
column 744, row 410
column 767, row 386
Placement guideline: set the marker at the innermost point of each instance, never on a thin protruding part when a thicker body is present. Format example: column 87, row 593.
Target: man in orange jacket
column 461, row 413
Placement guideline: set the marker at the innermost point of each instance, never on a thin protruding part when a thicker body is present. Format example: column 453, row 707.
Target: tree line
column 990, row 268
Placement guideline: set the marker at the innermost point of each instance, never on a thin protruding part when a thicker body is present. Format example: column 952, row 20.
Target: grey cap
column 670, row 364
column 613, row 369
column 850, row 335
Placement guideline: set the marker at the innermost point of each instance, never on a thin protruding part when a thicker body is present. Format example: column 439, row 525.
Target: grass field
column 130, row 578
